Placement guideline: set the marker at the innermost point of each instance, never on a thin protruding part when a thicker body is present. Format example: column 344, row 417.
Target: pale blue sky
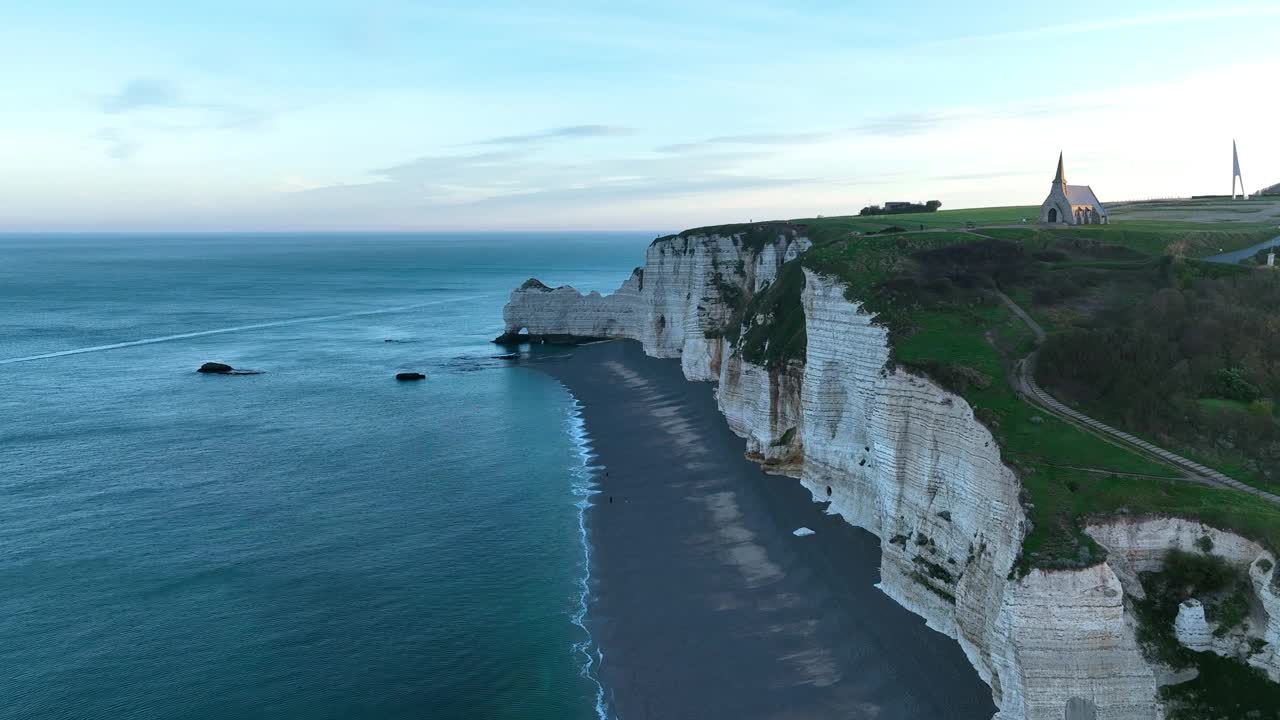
column 343, row 114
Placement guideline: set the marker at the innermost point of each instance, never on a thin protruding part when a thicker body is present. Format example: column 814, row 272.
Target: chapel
column 1071, row 204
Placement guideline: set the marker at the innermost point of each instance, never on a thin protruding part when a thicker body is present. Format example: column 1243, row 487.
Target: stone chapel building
column 1071, row 204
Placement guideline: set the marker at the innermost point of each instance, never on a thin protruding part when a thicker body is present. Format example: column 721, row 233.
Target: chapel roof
column 1082, row 195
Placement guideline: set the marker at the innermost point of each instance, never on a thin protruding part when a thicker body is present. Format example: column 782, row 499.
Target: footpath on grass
column 1024, row 378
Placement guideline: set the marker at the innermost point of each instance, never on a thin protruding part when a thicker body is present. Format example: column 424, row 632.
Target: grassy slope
column 986, row 337
column 940, row 220
column 1059, row 321
column 1150, row 237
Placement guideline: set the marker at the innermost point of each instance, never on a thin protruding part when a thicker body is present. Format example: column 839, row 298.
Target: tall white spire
column 1235, row 173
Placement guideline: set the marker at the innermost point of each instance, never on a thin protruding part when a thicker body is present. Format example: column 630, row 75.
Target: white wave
column 584, row 487
column 802, row 531
column 238, row 328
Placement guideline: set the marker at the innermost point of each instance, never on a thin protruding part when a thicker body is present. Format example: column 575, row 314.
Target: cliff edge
column 896, row 453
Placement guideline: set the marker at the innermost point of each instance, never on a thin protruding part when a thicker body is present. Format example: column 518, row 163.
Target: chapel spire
column 1061, row 177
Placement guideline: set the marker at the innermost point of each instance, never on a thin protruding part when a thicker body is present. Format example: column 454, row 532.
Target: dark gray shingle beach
column 704, row 601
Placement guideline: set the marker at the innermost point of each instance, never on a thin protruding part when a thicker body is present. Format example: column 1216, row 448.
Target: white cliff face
column 764, row 406
column 1265, row 577
column 902, row 457
column 1063, row 640
column 898, row 455
column 670, row 305
column 564, row 311
column 1140, row 545
column 1192, row 628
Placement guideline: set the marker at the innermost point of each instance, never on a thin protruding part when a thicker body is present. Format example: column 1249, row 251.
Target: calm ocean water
column 318, row 541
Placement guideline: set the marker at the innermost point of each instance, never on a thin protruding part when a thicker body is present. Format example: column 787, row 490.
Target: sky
column 140, row 115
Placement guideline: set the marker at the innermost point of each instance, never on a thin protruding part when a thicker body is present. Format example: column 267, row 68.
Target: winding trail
column 1024, row 379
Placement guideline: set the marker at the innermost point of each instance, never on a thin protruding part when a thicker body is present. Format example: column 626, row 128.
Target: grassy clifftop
column 934, row 291
column 1141, row 334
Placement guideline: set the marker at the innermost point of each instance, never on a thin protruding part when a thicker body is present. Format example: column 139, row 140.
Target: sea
column 315, row 541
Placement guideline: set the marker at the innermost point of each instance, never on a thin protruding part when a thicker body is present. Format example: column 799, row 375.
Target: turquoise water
column 318, row 541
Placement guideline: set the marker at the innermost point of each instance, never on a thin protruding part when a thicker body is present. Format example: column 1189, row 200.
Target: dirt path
column 1031, row 391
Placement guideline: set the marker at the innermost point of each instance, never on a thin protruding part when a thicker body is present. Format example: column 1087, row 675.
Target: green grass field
column 940, row 220
column 1221, row 404
column 959, row 337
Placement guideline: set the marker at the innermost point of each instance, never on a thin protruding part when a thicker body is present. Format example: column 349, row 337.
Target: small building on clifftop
column 1071, row 204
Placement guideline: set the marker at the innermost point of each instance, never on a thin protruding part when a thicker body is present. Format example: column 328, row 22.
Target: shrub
column 786, row 438
column 1044, row 296
column 1231, row 384
column 1049, row 255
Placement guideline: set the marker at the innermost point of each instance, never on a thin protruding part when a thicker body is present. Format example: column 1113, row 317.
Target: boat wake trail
column 238, row 328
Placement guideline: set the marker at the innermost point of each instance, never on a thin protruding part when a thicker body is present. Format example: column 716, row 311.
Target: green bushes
column 1184, row 575
column 901, row 208
column 1231, row 384
column 1224, row 687
column 774, row 324
column 786, row 438
column 1186, row 357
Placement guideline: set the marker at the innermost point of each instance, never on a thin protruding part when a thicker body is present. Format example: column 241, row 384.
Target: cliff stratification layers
column 896, row 454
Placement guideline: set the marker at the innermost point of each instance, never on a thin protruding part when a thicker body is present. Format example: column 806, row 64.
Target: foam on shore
column 584, row 486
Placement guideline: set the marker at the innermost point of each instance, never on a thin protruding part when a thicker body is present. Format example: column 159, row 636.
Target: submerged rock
column 410, row 376
column 506, row 356
column 217, row 368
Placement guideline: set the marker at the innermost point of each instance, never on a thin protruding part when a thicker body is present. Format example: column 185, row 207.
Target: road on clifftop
column 1024, row 379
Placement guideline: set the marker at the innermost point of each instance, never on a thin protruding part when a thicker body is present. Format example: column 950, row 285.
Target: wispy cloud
column 1130, row 21
column 510, row 178
column 988, row 175
column 750, row 139
column 119, row 146
column 141, row 94
column 157, row 105
column 569, row 132
column 896, row 125
column 902, row 124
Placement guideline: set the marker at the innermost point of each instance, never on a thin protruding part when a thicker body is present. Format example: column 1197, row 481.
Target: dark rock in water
column 519, row 338
column 214, row 368
column 410, row 376
column 507, row 356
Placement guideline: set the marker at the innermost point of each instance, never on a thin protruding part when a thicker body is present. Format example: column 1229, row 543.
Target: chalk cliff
column 896, row 454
